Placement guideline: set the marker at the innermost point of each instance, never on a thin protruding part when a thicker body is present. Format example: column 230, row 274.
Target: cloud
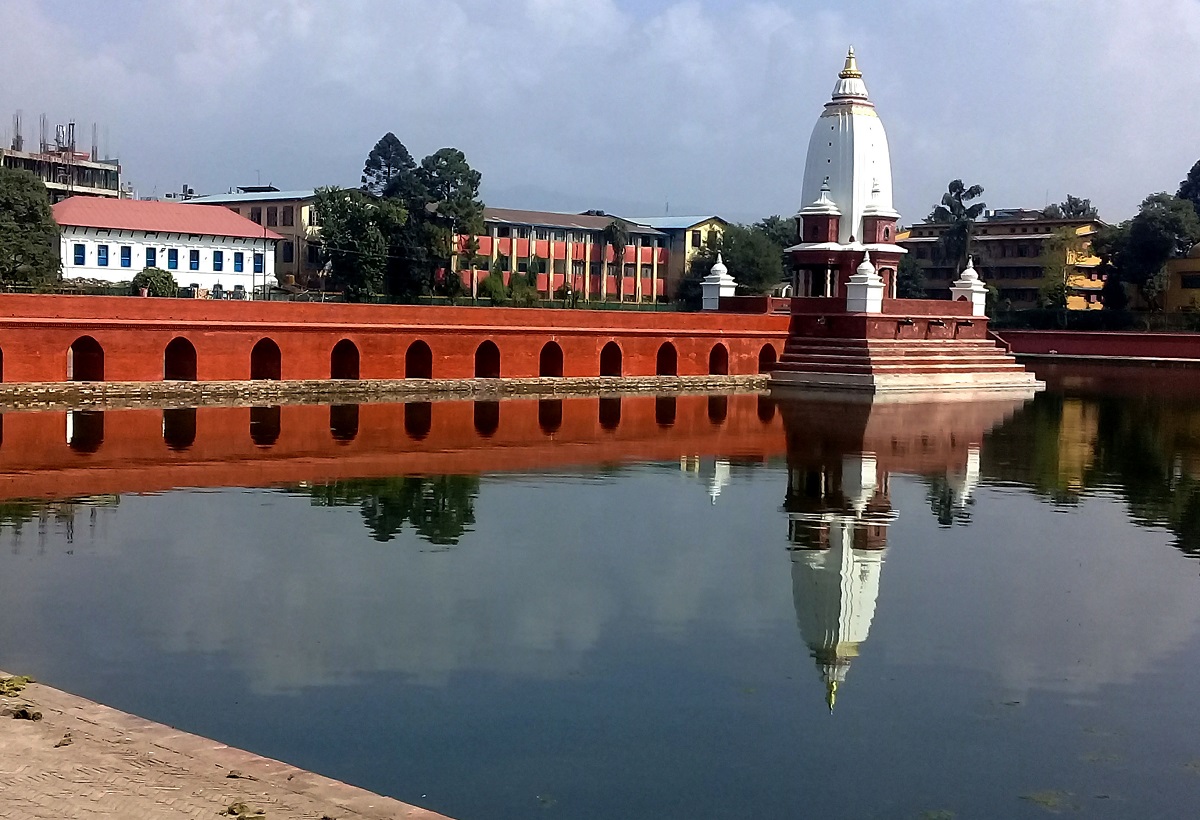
column 705, row 103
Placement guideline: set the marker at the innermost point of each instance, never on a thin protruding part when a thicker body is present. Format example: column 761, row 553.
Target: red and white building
column 204, row 246
column 569, row 253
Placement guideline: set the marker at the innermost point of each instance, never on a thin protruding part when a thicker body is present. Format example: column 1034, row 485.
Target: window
column 272, row 216
column 288, row 251
column 628, row 270
column 256, row 215
column 238, row 261
column 126, row 256
column 1190, row 281
column 312, row 253
column 288, row 216
column 218, row 261
column 258, row 263
column 193, row 260
column 172, row 259
column 80, row 254
column 696, row 241
column 560, row 236
column 503, row 232
column 102, row 255
column 543, row 234
column 151, row 257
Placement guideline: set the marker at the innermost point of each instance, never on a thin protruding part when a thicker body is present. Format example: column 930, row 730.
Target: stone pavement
column 86, row 760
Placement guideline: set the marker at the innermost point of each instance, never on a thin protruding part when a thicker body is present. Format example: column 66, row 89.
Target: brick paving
column 121, row 766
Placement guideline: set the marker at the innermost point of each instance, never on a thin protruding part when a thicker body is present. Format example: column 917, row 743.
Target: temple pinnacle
column 851, row 70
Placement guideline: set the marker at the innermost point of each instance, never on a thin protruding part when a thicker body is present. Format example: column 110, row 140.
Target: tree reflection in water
column 1144, row 448
column 440, row 509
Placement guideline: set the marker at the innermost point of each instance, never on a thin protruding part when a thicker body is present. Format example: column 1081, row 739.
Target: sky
column 637, row 107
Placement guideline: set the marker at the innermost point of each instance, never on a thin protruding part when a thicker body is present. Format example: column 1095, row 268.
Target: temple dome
column 849, row 148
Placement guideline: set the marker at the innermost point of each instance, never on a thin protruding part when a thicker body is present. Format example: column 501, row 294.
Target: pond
column 686, row 607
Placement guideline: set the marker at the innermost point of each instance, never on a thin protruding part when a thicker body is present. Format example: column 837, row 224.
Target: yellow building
column 686, row 235
column 1012, row 251
column 287, row 213
column 1183, row 283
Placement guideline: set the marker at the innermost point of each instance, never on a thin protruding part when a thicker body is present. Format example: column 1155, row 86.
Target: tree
column 388, row 162
column 1137, row 251
column 1059, row 254
column 779, row 230
column 493, row 286
column 753, row 256
column 955, row 212
column 1071, row 208
column 1189, row 189
column 156, row 281
column 354, row 244
column 616, row 234
column 910, row 279
column 441, row 201
column 29, row 235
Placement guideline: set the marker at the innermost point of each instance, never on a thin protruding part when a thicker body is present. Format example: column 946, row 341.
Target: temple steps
column 898, row 365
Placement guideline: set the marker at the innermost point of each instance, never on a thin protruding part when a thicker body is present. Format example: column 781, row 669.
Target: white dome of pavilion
column 849, row 149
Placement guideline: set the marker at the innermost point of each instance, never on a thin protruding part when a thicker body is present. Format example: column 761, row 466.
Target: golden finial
column 831, row 694
column 851, row 70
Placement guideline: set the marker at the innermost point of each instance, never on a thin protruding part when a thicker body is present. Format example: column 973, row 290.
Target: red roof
column 164, row 217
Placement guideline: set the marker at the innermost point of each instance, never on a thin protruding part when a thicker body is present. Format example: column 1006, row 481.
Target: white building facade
column 218, row 253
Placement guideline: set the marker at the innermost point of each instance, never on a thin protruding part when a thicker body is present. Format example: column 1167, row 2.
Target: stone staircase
column 885, row 365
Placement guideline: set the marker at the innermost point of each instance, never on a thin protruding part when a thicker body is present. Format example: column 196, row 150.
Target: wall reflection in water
column 149, row 450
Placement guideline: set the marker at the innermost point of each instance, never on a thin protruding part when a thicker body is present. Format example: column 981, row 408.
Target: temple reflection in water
column 841, row 457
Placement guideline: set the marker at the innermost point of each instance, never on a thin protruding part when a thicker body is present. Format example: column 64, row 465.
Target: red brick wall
column 37, row 330
column 1105, row 343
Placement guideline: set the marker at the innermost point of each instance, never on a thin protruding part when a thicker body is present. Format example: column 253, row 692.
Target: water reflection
column 265, row 425
column 179, row 427
column 85, row 430
column 343, row 422
column 838, row 503
column 418, row 419
column 550, row 415
column 648, row 621
column 440, row 509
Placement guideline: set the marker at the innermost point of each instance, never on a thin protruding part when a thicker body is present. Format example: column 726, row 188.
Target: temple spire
column 851, row 70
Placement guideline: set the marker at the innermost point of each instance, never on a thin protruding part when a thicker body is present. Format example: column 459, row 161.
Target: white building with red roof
column 206, row 246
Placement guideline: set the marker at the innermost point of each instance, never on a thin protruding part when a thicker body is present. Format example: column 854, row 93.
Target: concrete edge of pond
column 116, row 395
column 81, row 758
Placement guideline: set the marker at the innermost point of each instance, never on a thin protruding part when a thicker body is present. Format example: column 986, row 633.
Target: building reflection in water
column 841, row 456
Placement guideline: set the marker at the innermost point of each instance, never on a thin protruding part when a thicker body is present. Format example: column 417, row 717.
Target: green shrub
column 493, row 288
column 156, row 281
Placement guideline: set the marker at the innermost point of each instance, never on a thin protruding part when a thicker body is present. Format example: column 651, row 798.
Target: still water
column 674, row 608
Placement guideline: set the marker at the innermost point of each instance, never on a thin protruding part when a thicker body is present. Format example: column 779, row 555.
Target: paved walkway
column 86, row 760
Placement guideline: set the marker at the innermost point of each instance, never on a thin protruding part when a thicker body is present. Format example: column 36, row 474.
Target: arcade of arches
column 114, row 339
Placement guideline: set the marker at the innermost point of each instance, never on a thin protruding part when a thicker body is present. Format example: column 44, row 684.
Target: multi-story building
column 65, row 171
column 287, row 213
column 569, row 254
column 1013, row 250
column 205, row 247
column 1183, row 283
column 686, row 236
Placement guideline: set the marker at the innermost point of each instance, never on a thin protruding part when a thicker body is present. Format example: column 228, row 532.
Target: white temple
column 848, row 173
